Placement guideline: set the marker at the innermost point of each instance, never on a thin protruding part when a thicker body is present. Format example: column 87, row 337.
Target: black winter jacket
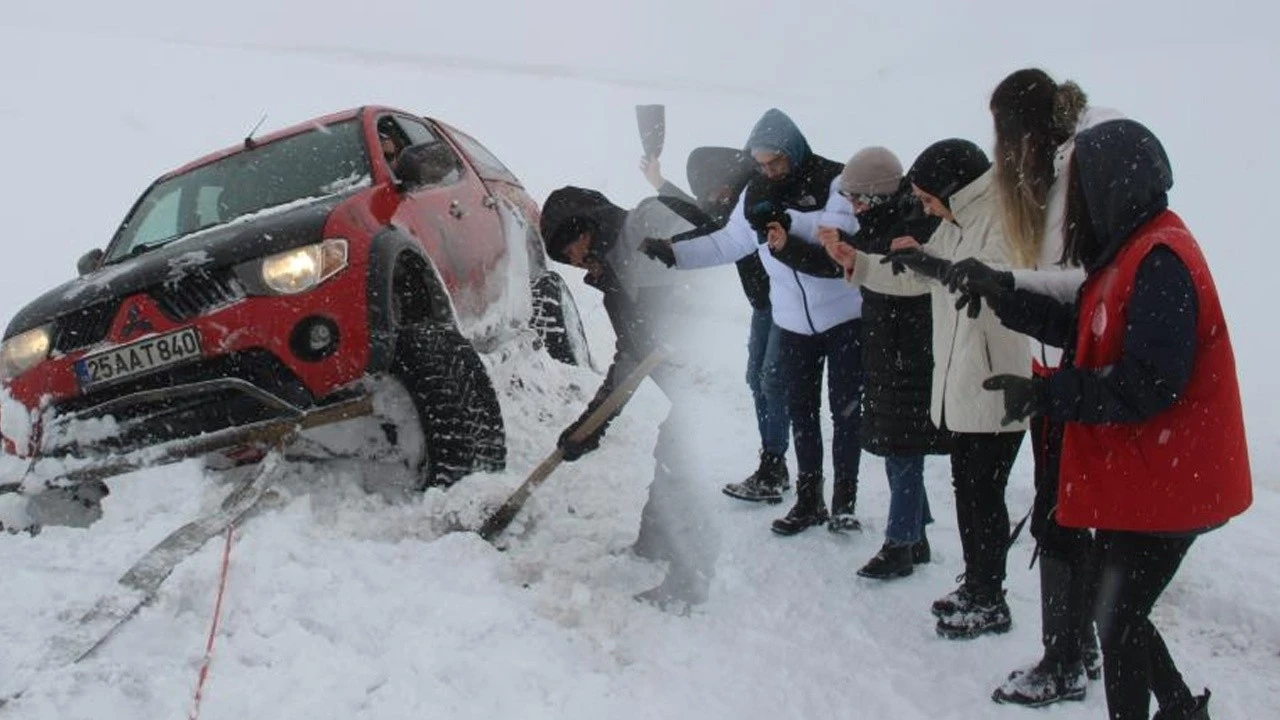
column 897, row 350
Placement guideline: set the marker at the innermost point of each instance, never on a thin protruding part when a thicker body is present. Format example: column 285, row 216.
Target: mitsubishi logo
column 134, row 323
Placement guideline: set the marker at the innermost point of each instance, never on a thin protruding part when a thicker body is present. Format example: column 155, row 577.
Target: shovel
column 652, row 121
column 501, row 518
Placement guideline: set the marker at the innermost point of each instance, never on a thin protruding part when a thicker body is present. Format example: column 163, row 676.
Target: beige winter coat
column 966, row 351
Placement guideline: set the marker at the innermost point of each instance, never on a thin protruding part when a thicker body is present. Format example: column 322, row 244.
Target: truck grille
column 84, row 327
column 197, row 294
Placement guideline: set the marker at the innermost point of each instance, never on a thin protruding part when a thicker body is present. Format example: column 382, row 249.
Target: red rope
column 213, row 628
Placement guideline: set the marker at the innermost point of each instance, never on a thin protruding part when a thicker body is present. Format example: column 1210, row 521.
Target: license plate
column 138, row 358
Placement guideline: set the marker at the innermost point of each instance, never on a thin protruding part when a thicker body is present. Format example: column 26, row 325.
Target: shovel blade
column 652, row 122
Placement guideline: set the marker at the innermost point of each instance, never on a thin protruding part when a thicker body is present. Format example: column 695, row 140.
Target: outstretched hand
column 844, row 254
column 1021, row 396
column 658, row 249
column 973, row 277
column 918, row 260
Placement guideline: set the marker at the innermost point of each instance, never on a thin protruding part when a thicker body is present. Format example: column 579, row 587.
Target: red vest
column 1184, row 469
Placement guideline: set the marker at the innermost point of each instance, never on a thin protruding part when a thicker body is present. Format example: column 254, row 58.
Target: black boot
column 921, row 554
column 1197, row 708
column 844, row 498
column 985, row 612
column 1060, row 674
column 1048, row 681
column 809, row 509
column 893, row 561
column 765, row 484
column 954, row 600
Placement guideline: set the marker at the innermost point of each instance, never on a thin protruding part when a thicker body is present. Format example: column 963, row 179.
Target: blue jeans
column 908, row 500
column 803, row 358
column 767, row 387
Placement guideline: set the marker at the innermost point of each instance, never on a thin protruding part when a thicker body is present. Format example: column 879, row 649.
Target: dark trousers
column 1134, row 569
column 980, row 466
column 801, row 360
column 764, row 378
column 1065, row 555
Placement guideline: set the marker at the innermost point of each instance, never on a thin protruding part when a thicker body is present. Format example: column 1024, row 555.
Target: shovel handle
column 507, row 512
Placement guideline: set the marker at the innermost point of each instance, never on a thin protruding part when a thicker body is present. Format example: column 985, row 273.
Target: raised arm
column 1156, row 360
column 730, row 243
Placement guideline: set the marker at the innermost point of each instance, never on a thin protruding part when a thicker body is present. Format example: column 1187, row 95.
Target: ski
column 139, row 585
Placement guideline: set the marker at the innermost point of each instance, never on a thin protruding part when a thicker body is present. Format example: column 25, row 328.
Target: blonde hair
column 1033, row 116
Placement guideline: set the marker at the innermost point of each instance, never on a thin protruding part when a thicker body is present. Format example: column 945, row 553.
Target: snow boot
column 893, row 561
column 1047, row 682
column 921, row 553
column 986, row 612
column 809, row 509
column 1197, row 708
column 844, row 498
column 1061, row 673
column 954, row 600
column 766, row 484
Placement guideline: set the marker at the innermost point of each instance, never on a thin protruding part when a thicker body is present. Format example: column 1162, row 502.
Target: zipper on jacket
column 986, row 348
column 804, row 300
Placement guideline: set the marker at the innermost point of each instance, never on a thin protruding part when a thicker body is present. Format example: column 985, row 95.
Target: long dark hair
column 1080, row 245
column 1033, row 115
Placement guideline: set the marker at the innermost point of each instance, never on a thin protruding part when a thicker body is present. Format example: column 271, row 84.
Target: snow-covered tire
column 461, row 419
column 557, row 322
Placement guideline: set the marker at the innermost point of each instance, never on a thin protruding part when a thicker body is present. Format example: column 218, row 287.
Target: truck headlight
column 24, row 351
column 299, row 270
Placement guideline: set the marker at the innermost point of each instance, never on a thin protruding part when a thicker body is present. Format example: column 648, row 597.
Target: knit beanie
column 872, row 171
column 947, row 166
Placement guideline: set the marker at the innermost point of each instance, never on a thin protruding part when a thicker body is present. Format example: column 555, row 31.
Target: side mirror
column 89, row 262
column 431, row 163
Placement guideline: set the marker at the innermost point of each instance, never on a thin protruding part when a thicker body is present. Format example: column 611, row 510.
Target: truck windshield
column 327, row 160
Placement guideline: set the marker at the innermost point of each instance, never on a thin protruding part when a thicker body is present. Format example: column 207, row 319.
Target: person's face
column 774, row 165
column 579, row 251
column 932, row 205
column 388, row 147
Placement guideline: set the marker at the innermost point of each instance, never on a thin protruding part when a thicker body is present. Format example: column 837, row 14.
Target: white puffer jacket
column 802, row 303
column 966, row 351
column 1047, row 277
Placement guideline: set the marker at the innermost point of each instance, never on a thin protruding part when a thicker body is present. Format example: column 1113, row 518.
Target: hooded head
column 775, row 133
column 1120, row 178
column 571, row 211
column 947, row 166
column 716, row 178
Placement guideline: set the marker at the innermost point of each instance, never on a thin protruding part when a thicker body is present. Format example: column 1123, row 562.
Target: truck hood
column 243, row 239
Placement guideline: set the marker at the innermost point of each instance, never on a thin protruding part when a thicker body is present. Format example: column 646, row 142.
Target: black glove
column 570, row 450
column 976, row 281
column 971, row 276
column 760, row 214
column 1021, row 396
column 973, row 302
column 919, row 261
column 658, row 249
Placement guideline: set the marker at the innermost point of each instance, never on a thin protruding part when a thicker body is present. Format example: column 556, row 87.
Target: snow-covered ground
column 340, row 605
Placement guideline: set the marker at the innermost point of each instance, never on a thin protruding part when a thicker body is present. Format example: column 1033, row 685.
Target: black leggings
column 1133, row 570
column 980, row 465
